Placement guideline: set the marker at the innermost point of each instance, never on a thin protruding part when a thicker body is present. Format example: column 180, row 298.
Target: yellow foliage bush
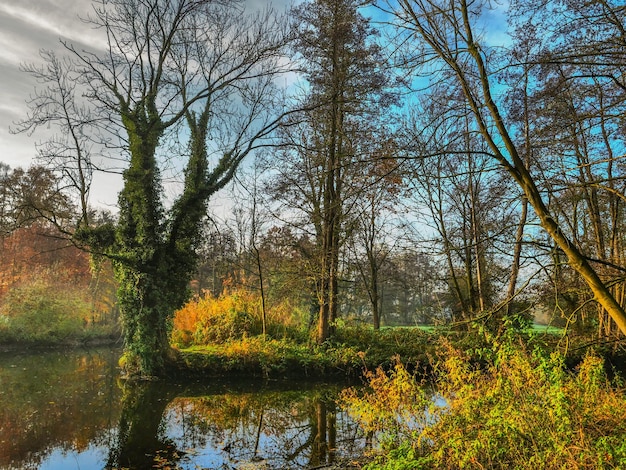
column 394, row 407
column 232, row 315
column 521, row 410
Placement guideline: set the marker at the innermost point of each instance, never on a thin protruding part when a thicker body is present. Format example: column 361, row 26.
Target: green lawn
column 547, row 329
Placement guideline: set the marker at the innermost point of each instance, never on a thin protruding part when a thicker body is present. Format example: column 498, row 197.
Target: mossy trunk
column 157, row 251
column 146, row 311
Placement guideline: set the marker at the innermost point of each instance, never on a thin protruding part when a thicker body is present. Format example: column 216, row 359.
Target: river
column 70, row 410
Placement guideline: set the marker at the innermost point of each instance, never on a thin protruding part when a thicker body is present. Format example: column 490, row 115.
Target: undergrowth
column 44, row 313
column 232, row 315
column 521, row 409
column 220, row 335
column 269, row 358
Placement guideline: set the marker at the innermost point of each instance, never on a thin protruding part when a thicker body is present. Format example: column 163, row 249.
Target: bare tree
column 348, row 82
column 375, row 221
column 574, row 57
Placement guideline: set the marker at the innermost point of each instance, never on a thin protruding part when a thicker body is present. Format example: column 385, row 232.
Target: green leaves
column 521, row 410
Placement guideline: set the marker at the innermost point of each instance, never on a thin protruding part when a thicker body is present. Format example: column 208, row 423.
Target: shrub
column 40, row 312
column 233, row 315
column 380, row 346
column 394, row 408
column 521, row 410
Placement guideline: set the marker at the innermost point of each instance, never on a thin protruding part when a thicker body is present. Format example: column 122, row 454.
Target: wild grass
column 275, row 358
column 44, row 313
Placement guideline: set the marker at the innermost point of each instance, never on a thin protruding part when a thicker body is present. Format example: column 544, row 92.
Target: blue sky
column 30, row 25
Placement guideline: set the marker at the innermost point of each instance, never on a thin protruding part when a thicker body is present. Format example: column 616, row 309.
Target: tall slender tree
column 375, row 220
column 344, row 68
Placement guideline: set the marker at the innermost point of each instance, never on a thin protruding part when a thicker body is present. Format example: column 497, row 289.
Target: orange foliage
column 186, row 318
column 35, row 253
column 235, row 313
column 210, row 319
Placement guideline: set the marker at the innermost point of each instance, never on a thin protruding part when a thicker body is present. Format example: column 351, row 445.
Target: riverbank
column 482, row 412
column 85, row 342
column 351, row 352
column 355, row 351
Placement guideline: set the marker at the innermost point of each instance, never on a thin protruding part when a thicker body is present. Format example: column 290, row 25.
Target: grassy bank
column 509, row 402
column 352, row 350
column 225, row 335
column 41, row 314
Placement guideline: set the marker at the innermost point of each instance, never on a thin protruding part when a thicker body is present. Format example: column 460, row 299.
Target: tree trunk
column 323, row 331
column 522, row 176
column 575, row 258
column 145, row 313
column 517, row 254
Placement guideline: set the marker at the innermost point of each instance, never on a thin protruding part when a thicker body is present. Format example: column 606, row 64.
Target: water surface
column 69, row 410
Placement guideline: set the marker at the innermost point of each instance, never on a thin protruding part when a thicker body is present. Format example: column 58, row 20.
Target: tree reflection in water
column 69, row 410
column 283, row 429
column 141, row 442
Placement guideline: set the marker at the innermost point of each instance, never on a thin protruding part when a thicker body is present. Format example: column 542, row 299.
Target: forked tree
column 199, row 72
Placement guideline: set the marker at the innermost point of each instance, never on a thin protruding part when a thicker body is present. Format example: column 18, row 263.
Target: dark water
column 69, row 410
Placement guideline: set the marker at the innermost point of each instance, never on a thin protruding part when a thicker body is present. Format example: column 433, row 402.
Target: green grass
column 41, row 313
column 254, row 356
column 547, row 329
column 351, row 351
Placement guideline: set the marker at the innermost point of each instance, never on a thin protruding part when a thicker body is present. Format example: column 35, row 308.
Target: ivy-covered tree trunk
column 138, row 252
column 147, row 303
column 156, row 255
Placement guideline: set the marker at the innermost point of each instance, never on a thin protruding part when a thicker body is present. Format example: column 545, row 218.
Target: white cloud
column 26, row 27
column 16, row 150
column 47, row 21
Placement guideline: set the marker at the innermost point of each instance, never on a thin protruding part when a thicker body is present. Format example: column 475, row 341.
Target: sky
column 26, row 27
